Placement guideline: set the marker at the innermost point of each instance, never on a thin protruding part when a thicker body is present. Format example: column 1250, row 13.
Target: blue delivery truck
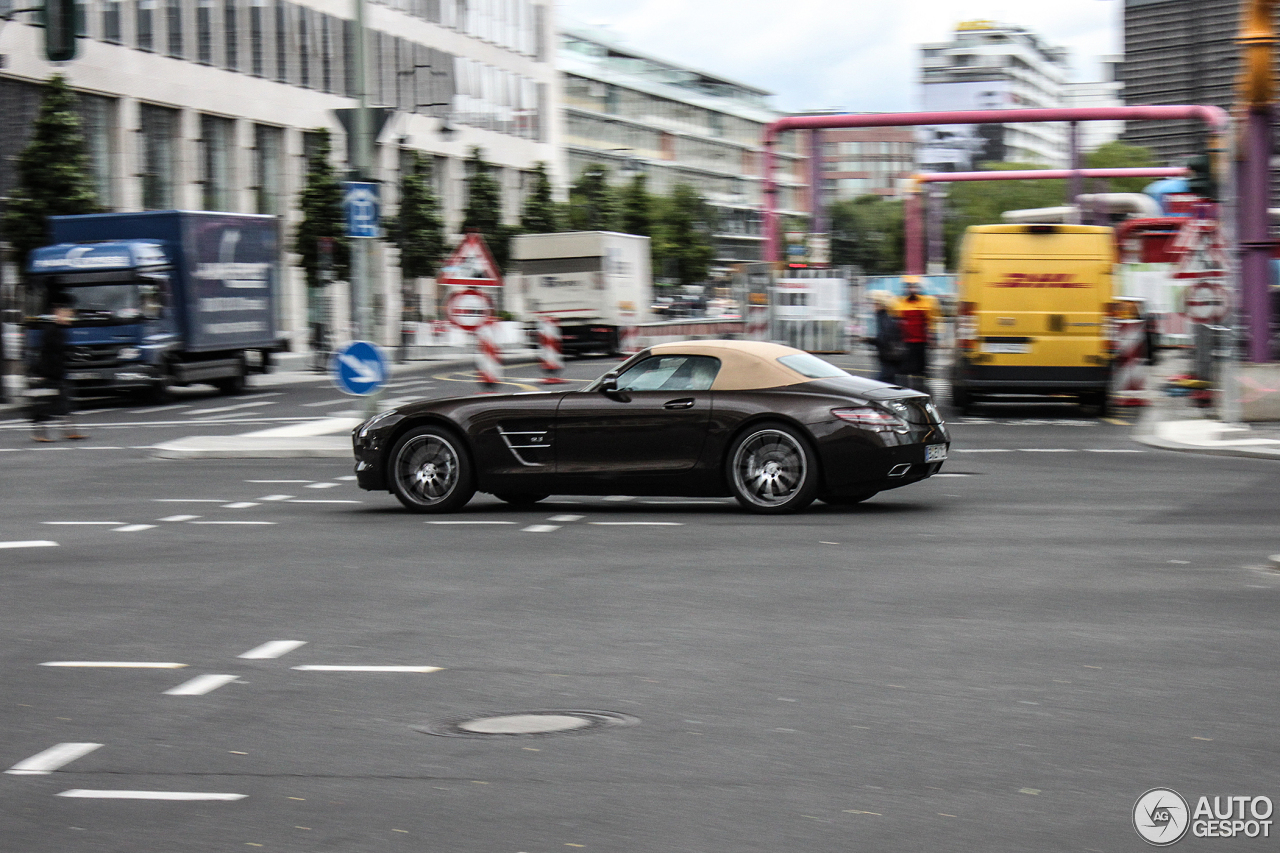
column 161, row 298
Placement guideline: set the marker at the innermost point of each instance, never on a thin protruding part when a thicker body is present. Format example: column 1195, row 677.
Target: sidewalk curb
column 1148, row 424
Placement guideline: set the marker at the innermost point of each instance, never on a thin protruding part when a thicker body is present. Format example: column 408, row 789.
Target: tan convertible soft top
column 744, row 365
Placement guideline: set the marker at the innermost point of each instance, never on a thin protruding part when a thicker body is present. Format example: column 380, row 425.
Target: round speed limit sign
column 1206, row 302
column 468, row 309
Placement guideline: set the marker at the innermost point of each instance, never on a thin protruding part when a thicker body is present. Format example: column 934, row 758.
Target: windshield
column 811, row 366
column 106, row 300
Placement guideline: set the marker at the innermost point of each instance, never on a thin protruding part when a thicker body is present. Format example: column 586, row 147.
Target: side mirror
column 609, row 388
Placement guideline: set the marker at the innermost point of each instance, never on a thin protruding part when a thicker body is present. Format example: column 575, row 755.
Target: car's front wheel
column 430, row 472
column 772, row 470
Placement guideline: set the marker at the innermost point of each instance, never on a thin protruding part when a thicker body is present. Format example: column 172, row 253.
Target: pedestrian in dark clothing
column 888, row 338
column 50, row 391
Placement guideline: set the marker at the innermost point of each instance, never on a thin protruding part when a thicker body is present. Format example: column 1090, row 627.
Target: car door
column 654, row 423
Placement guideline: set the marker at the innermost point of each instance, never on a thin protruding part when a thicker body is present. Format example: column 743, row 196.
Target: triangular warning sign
column 471, row 264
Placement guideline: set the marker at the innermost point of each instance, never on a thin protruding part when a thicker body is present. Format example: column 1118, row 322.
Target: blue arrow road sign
column 360, row 201
column 359, row 368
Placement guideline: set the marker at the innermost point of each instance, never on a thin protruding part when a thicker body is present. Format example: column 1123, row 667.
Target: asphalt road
column 1002, row 658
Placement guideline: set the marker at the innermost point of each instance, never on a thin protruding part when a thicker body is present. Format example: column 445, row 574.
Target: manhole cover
column 527, row 724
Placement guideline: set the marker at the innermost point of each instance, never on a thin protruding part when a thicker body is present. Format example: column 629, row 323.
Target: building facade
column 866, row 161
column 634, row 113
column 211, row 104
column 1106, row 92
column 1178, row 52
column 988, row 65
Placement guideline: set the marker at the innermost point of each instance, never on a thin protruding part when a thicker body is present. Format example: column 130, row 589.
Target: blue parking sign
column 359, row 368
column 361, row 204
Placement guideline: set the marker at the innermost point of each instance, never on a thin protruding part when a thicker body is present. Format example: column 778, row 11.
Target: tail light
column 967, row 325
column 869, row 417
column 1111, row 328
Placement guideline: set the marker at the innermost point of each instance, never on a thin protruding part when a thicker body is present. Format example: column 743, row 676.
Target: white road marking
column 272, row 649
column 279, row 481
column 200, row 685
column 115, row 664
column 620, row 498
column 540, row 528
column 347, row 479
column 637, row 523
column 324, row 403
column 320, row 486
column 158, row 409
column 14, row 449
column 198, row 412
column 190, row 500
column 103, row 523
column 260, row 394
column 304, row 501
column 275, row 497
column 102, row 447
column 134, row 528
column 178, row 518
column 1048, row 450
column 469, row 522
column 315, row 667
column 218, row 419
column 981, row 450
column 44, row 763
column 147, row 795
column 565, row 518
column 240, row 505
column 232, row 522
column 30, row 543
column 953, row 475
column 312, row 427
column 1111, row 450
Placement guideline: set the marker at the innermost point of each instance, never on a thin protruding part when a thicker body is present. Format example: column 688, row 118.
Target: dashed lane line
column 637, row 523
column 321, row 485
column 565, row 518
column 253, row 405
column 241, row 505
column 335, row 501
column 279, row 481
column 178, row 518
column 44, row 763
column 272, row 649
column 30, row 543
column 315, row 667
column 326, row 404
column 540, row 528
column 200, row 685
column 231, row 522
column 275, row 497
column 469, row 522
column 115, row 664
column 86, row 523
column 87, row 793
column 190, row 500
column 134, row 528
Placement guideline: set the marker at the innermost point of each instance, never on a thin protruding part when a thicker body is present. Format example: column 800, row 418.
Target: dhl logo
column 1031, row 279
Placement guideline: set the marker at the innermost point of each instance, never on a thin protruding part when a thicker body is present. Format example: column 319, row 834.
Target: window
column 326, row 53
column 99, row 116
column 267, row 157
column 304, row 46
column 671, row 373
column 217, row 140
column 282, row 41
column 111, row 21
column 173, row 16
column 158, row 127
column 257, row 47
column 145, row 24
column 204, row 31
column 231, row 26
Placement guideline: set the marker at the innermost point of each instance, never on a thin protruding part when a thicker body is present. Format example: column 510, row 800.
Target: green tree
column 868, row 232
column 53, row 176
column 1121, row 155
column 541, row 213
column 484, row 208
column 682, row 246
column 418, row 229
column 637, row 207
column 592, row 206
column 321, row 207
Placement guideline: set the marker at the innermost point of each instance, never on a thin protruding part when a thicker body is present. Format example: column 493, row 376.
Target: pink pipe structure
column 912, row 209
column 1214, row 118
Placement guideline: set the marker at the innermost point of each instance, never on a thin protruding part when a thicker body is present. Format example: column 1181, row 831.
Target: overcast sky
column 859, row 55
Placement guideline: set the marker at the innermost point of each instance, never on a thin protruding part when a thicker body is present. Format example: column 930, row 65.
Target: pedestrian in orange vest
column 918, row 316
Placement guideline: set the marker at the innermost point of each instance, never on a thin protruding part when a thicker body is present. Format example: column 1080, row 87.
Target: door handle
column 685, row 403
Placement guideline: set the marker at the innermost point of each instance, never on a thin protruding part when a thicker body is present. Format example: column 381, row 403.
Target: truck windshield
column 122, row 300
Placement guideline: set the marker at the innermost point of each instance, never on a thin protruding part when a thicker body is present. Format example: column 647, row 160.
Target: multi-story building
column 209, row 104
column 866, row 161
column 988, row 65
column 632, row 112
column 1178, row 52
column 1107, row 92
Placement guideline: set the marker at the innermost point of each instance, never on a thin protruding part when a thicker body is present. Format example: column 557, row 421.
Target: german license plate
column 1006, row 349
column 82, row 375
column 935, row 452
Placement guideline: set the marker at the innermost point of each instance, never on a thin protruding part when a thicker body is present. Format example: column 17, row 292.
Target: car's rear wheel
column 519, row 500
column 772, row 470
column 430, row 472
column 847, row 500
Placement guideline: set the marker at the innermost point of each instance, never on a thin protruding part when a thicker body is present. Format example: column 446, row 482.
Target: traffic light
column 1201, row 182
column 60, row 30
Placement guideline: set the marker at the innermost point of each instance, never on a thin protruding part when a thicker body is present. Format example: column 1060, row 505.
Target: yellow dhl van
column 1033, row 313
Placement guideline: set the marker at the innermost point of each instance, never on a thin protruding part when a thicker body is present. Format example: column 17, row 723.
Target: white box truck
column 593, row 283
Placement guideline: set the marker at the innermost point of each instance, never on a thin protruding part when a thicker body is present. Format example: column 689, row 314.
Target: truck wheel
column 161, row 391
column 772, row 470
column 430, row 471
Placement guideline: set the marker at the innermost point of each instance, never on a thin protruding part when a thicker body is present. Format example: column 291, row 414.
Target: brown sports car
column 772, row 426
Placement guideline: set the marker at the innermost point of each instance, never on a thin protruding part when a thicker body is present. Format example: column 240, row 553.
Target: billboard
column 961, row 147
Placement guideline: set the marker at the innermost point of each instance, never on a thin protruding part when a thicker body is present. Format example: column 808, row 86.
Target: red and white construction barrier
column 1129, row 377
column 488, row 361
column 549, row 352
column 757, row 323
column 629, row 340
